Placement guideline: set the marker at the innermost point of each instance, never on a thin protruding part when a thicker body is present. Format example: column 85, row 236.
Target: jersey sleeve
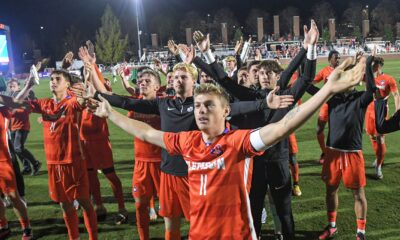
column 243, row 137
column 174, row 142
column 36, row 105
column 392, row 85
column 320, row 76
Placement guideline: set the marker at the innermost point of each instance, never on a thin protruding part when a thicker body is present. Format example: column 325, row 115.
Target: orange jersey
column 20, row 120
column 60, row 129
column 4, row 122
column 323, row 74
column 217, row 172
column 92, row 127
column 145, row 151
column 386, row 85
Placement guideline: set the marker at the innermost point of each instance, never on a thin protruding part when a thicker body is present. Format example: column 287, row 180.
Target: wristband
column 312, row 52
column 209, row 56
column 257, row 142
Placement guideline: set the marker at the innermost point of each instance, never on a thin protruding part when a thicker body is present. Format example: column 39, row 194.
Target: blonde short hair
column 187, row 68
column 208, row 88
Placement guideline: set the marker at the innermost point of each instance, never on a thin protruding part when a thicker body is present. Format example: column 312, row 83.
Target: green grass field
column 309, row 209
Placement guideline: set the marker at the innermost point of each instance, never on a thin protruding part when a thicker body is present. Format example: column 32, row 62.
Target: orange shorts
column 8, row 183
column 146, row 179
column 174, row 196
column 370, row 126
column 346, row 165
column 293, row 148
column 324, row 113
column 98, row 154
column 68, row 182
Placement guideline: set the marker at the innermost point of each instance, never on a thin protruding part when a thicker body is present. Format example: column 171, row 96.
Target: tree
column 286, row 19
column 164, row 24
column 225, row 15
column 238, row 35
column 357, row 32
column 325, row 35
column 322, row 12
column 110, row 46
column 192, row 20
column 73, row 39
column 385, row 13
column 388, row 33
column 352, row 17
column 251, row 20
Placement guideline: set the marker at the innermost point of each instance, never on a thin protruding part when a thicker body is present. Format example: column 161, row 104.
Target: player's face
column 183, row 82
column 170, row 80
column 147, row 85
column 204, row 78
column 267, row 78
column 13, row 87
column 243, row 78
column 210, row 112
column 335, row 60
column 58, row 83
column 230, row 65
column 253, row 75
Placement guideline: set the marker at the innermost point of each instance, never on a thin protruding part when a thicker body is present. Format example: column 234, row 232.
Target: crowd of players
column 211, row 145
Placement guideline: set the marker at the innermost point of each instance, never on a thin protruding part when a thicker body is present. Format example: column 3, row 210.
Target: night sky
column 25, row 17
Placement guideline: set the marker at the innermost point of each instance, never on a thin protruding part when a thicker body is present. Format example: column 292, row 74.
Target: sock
column 361, row 225
column 152, row 203
column 90, row 219
column 172, row 235
column 332, row 219
column 142, row 220
column 72, row 222
column 380, row 153
column 321, row 141
column 116, row 188
column 94, row 185
column 3, row 222
column 24, row 223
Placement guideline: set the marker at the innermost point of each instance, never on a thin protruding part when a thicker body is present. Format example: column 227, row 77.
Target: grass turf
column 309, row 209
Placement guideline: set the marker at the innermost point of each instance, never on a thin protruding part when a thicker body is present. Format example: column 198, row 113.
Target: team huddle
column 211, row 145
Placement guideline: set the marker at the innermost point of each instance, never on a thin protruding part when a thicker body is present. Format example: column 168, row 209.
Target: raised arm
column 130, row 104
column 12, row 102
column 136, row 128
column 340, row 80
column 382, row 125
column 125, row 81
column 367, row 96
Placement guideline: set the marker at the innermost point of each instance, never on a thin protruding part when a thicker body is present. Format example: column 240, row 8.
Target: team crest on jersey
column 134, row 189
column 190, row 109
column 382, row 82
column 217, row 150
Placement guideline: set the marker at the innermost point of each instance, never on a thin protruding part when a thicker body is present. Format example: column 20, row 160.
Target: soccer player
column 322, row 75
column 98, row 151
column 218, row 159
column 344, row 158
column 68, row 180
column 386, row 85
column 8, row 185
column 20, row 127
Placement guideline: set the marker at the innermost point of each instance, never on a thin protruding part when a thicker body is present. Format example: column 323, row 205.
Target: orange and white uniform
column 218, row 179
column 386, row 85
column 66, row 166
column 7, row 177
column 323, row 75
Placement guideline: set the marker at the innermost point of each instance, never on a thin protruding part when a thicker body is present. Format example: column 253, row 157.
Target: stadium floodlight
column 137, row 26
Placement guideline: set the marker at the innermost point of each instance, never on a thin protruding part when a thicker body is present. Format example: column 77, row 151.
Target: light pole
column 138, row 30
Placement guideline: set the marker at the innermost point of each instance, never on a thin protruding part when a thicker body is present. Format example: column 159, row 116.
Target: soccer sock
column 152, row 203
column 361, row 225
column 3, row 222
column 90, row 218
column 375, row 147
column 24, row 223
column 294, row 168
column 332, row 218
column 116, row 188
column 142, row 220
column 172, row 235
column 94, row 185
column 72, row 223
column 321, row 141
column 380, row 153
